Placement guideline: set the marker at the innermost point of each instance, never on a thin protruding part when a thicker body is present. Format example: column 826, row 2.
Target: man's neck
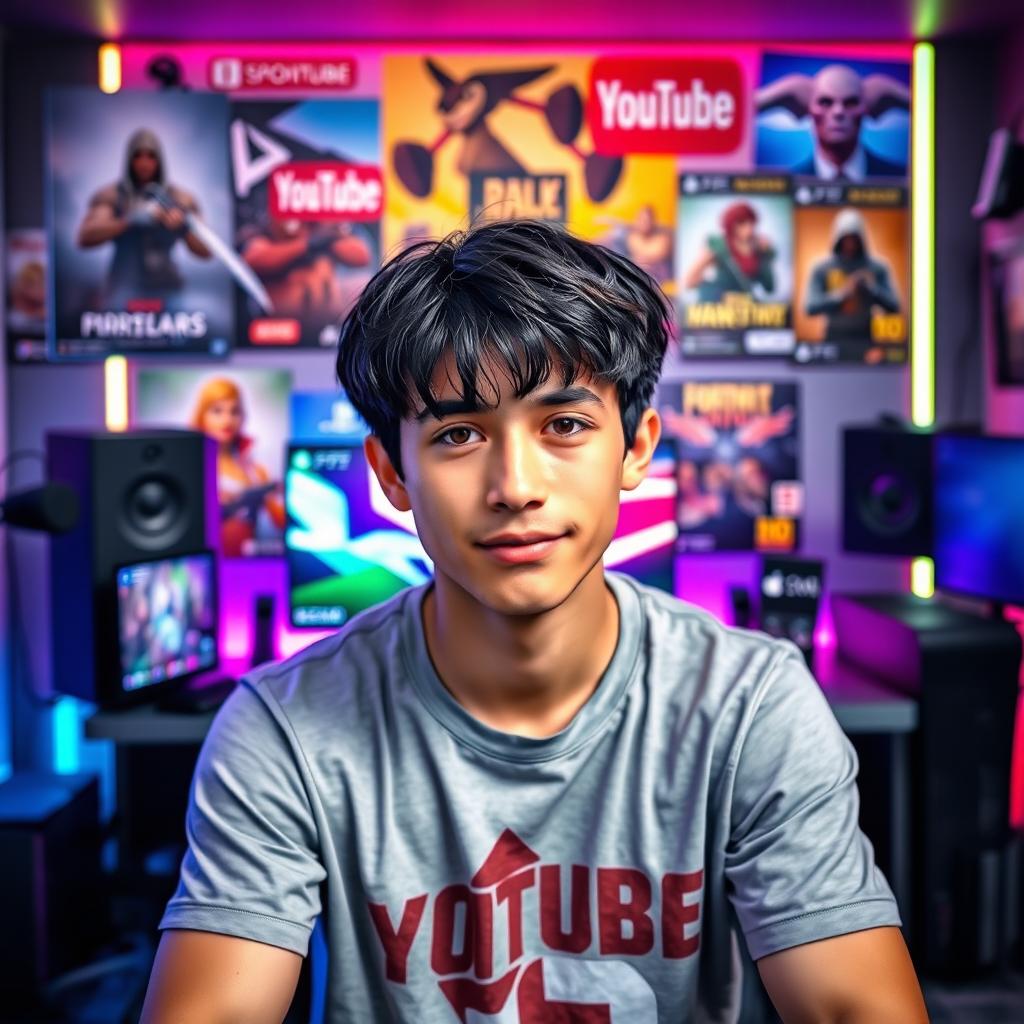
column 527, row 675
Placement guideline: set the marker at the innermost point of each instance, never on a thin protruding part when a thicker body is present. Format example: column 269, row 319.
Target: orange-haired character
column 251, row 505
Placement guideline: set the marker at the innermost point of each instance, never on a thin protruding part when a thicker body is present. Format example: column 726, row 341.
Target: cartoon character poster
column 735, row 249
column 308, row 207
column 491, row 137
column 245, row 410
column 852, row 274
column 26, row 295
column 139, row 224
column 737, row 463
column 832, row 117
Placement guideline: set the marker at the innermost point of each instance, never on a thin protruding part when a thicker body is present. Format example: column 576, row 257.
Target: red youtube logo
column 666, row 105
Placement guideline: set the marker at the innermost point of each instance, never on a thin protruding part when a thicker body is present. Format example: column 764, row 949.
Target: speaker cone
column 154, row 513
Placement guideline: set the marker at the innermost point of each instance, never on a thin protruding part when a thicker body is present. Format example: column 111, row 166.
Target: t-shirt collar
column 586, row 723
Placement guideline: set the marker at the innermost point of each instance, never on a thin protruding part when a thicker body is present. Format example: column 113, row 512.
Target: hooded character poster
column 139, row 224
column 735, row 265
column 852, row 275
column 737, row 463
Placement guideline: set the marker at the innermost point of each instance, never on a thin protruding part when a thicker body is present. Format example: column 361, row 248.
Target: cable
column 21, row 454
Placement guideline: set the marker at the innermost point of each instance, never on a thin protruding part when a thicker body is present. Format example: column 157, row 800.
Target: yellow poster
column 492, row 137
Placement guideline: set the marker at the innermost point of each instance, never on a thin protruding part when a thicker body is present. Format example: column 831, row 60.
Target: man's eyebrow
column 569, row 396
column 563, row 396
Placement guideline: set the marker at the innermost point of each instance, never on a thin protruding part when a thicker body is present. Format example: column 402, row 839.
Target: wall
column 44, row 397
column 966, row 114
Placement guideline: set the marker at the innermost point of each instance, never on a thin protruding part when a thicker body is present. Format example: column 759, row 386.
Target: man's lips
column 515, row 549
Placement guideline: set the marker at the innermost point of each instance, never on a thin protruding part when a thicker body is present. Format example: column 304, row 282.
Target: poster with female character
column 245, row 411
column 737, row 463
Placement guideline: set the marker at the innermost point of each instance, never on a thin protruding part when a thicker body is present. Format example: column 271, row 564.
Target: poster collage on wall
column 236, row 197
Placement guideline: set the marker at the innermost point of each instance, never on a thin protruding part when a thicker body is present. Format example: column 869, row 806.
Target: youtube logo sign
column 686, row 106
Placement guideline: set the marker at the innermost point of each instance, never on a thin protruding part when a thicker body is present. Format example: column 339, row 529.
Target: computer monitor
column 979, row 516
column 167, row 619
column 347, row 547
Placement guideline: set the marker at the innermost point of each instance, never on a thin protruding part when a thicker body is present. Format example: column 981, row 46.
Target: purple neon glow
column 457, row 20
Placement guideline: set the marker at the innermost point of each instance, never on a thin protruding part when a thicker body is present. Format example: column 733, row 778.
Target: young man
column 530, row 791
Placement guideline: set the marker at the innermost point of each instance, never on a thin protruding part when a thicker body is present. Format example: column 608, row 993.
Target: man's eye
column 456, row 437
column 568, row 426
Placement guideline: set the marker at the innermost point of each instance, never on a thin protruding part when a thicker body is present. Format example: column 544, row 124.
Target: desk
column 864, row 705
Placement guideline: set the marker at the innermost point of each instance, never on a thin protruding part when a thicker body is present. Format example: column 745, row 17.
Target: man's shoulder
column 692, row 636
column 332, row 669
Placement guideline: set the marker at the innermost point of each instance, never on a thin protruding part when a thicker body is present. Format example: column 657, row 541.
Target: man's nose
column 517, row 472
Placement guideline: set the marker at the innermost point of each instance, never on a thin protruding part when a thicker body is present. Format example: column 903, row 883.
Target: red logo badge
column 687, row 105
column 326, row 191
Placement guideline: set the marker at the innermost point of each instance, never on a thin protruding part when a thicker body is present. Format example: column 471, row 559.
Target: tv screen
column 347, row 547
column 167, row 619
column 979, row 509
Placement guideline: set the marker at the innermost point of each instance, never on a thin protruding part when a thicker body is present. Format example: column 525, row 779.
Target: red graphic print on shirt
column 475, row 938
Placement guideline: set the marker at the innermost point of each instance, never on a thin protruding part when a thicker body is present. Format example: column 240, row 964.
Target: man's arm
column 206, row 978
column 863, row 977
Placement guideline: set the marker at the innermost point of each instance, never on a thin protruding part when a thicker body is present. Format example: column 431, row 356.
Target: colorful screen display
column 979, row 507
column 167, row 619
column 348, row 548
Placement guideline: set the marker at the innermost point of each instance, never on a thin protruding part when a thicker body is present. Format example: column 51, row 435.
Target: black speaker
column 887, row 490
column 143, row 495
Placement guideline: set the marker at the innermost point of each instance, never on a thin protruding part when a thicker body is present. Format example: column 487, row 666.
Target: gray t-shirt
column 464, row 873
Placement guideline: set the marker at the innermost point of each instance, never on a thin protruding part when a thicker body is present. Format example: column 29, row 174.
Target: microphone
column 51, row 508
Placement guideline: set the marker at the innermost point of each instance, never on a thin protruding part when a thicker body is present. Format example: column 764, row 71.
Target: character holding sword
column 144, row 217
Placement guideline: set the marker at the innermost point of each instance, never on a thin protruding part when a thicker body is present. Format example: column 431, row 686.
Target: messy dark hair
column 525, row 295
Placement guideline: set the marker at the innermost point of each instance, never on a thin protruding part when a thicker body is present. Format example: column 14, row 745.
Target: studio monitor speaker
column 143, row 495
column 887, row 490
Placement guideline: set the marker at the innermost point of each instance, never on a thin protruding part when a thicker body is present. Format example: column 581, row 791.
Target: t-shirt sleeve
column 252, row 867
column 798, row 868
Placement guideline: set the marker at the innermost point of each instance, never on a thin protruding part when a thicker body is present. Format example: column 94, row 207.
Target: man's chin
column 525, row 601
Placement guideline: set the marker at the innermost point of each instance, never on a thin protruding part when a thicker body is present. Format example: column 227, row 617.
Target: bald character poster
column 833, row 119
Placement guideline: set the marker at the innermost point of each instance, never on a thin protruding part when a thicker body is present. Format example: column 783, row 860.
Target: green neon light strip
column 922, row 216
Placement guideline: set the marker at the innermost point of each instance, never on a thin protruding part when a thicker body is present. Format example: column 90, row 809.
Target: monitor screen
column 167, row 619
column 979, row 509
column 348, row 548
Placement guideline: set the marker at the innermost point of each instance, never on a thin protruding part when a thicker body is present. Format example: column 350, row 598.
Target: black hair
column 527, row 295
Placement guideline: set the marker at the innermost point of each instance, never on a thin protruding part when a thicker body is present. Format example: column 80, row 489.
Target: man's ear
column 390, row 482
column 638, row 458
